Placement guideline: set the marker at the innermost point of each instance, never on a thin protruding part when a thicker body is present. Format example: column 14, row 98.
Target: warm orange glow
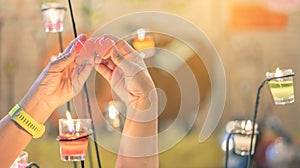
column 256, row 16
column 142, row 44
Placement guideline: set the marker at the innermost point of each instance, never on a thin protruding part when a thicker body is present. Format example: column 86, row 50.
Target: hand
column 128, row 76
column 62, row 79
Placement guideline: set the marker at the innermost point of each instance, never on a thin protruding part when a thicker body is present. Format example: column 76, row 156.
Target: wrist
column 37, row 108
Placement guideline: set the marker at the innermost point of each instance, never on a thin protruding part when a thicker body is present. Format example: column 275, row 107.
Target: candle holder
column 113, row 111
column 21, row 161
column 242, row 136
column 282, row 89
column 241, row 132
column 73, row 138
column 144, row 43
column 256, row 107
column 53, row 16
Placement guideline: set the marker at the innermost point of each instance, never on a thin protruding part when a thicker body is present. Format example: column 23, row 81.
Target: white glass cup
column 21, row 161
column 53, row 16
column 242, row 137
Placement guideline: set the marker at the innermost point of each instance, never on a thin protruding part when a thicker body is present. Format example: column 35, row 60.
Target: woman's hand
column 128, row 76
column 126, row 72
column 61, row 80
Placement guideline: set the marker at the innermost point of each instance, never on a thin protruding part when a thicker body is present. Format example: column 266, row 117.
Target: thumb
column 68, row 56
column 129, row 68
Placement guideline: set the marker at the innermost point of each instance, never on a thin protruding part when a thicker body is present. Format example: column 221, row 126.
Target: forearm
column 14, row 140
column 35, row 104
column 138, row 146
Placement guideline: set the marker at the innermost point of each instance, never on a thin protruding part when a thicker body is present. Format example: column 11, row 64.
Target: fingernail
column 79, row 44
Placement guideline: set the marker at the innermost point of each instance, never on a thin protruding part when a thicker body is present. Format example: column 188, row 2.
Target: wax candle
column 73, row 138
column 282, row 89
column 242, row 137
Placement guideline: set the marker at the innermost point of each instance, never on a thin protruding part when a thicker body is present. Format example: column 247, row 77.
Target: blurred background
column 252, row 37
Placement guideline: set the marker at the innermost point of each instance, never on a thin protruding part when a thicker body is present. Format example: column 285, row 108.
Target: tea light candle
column 73, row 138
column 144, row 43
column 282, row 89
column 242, row 137
column 53, row 15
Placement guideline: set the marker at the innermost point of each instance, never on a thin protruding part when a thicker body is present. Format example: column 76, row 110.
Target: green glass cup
column 282, row 89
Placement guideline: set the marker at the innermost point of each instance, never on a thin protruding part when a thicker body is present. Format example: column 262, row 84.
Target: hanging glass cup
column 53, row 16
column 242, row 137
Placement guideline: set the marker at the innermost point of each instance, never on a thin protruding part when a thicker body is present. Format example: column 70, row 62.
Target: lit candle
column 53, row 15
column 144, row 43
column 73, row 137
column 278, row 72
column 282, row 89
column 242, row 137
column 113, row 115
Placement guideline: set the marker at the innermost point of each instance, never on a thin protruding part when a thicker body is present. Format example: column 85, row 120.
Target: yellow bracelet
column 24, row 120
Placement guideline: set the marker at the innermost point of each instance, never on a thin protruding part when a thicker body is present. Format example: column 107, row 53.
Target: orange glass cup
column 73, row 138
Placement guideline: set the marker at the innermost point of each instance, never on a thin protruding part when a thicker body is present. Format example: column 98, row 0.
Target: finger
column 125, row 48
column 68, row 56
column 129, row 53
column 79, row 40
column 70, row 47
column 105, row 42
column 79, row 45
column 103, row 46
column 105, row 71
column 79, row 76
column 109, row 63
column 86, row 53
column 112, row 37
column 128, row 67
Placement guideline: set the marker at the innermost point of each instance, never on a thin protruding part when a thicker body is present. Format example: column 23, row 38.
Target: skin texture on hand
column 128, row 76
column 64, row 77
column 61, row 79
column 127, row 73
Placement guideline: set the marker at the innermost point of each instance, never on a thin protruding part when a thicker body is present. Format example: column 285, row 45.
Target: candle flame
column 112, row 112
column 278, row 72
column 77, row 126
column 70, row 122
column 248, row 126
column 141, row 34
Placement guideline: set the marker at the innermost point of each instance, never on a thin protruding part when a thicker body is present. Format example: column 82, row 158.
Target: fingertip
column 82, row 37
column 115, row 55
column 112, row 37
column 80, row 43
